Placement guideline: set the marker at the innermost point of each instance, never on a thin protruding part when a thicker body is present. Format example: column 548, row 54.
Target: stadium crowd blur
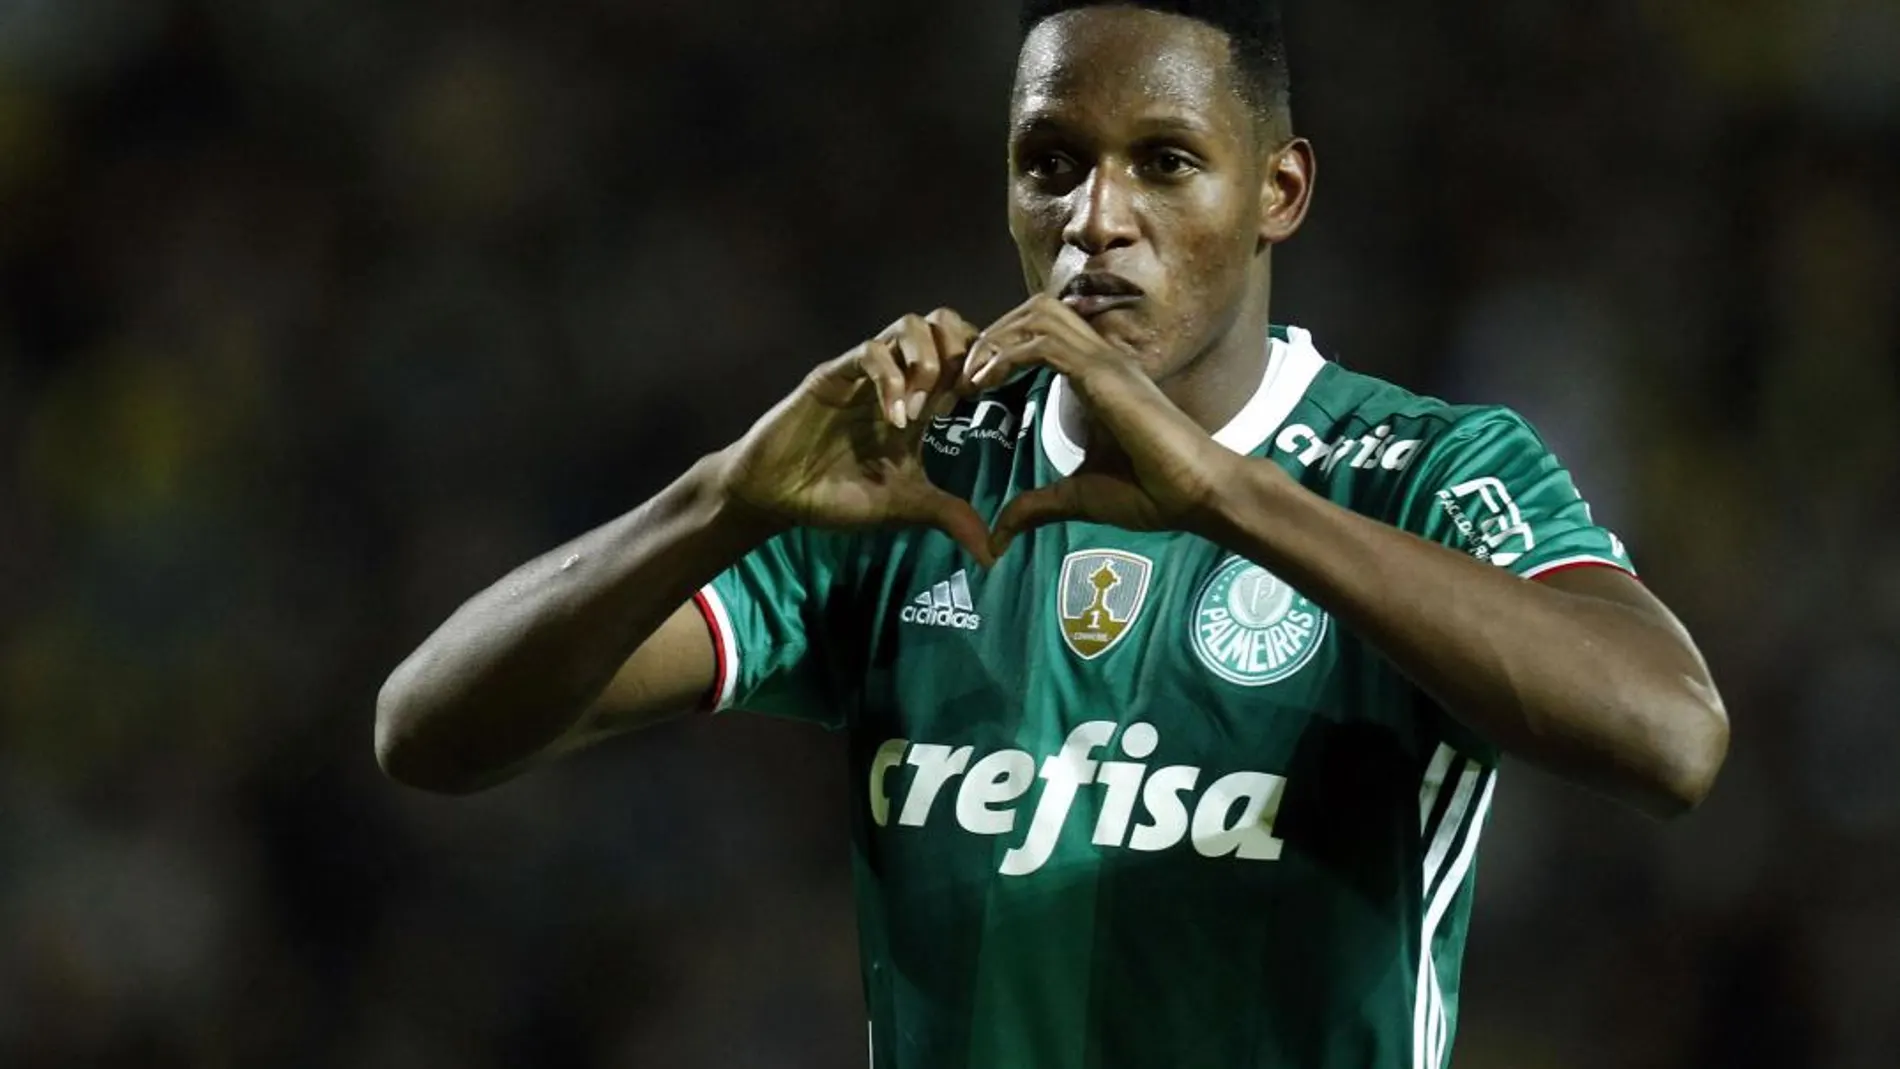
column 318, row 315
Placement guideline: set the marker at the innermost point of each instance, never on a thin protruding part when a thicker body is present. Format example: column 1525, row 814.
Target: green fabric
column 1128, row 801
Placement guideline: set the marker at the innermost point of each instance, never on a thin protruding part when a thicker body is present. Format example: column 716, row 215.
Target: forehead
column 1095, row 64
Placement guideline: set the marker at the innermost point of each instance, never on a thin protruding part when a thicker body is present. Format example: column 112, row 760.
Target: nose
column 1101, row 214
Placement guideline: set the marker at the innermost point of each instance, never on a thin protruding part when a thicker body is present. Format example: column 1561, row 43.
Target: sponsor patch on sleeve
column 1488, row 520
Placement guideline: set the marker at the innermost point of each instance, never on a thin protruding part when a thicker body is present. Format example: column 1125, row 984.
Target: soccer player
column 1176, row 661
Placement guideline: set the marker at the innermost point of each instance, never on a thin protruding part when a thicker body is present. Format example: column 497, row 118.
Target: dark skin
column 1168, row 179
column 1585, row 673
column 1134, row 159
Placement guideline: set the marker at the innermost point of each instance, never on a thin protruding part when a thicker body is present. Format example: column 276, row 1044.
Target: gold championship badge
column 1098, row 596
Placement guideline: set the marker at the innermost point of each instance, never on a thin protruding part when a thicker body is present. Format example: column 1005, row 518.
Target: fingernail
column 897, row 414
column 917, row 403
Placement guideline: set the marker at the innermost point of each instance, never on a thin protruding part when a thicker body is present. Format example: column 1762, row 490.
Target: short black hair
column 1253, row 30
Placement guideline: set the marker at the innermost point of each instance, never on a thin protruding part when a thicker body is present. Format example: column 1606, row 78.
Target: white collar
column 1291, row 367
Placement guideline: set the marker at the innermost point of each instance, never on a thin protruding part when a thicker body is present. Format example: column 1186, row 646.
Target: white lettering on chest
column 1141, row 808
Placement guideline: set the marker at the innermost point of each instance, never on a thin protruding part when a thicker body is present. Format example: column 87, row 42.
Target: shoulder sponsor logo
column 1252, row 628
column 989, row 421
column 1377, row 449
column 1488, row 520
column 1231, row 817
column 946, row 604
column 1098, row 596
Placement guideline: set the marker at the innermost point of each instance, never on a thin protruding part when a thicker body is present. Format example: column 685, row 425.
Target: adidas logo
column 947, row 604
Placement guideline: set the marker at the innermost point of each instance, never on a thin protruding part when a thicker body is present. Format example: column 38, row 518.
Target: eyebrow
column 1038, row 122
column 1174, row 124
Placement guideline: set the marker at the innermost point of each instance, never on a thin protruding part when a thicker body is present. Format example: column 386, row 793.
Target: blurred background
column 318, row 315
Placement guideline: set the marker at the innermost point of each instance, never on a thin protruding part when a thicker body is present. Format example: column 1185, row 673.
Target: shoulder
column 1366, row 424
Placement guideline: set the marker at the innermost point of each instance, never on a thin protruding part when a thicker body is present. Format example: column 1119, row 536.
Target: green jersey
column 1129, row 799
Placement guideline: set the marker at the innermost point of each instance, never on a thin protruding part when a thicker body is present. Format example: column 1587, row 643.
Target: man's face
column 1135, row 178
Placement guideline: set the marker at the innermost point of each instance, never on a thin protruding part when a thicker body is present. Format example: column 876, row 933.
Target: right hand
column 843, row 451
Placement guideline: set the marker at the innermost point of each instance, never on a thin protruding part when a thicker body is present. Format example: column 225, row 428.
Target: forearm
column 1597, row 691
column 518, row 665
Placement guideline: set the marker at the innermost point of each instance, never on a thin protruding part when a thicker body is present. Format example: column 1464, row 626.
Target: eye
column 1168, row 163
column 1047, row 166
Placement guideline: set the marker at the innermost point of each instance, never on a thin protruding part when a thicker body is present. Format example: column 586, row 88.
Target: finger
column 953, row 516
column 1029, row 309
column 954, row 333
column 980, row 351
column 985, row 352
column 1024, row 352
column 942, row 403
column 1038, row 317
column 1006, row 327
column 1054, row 314
column 877, row 361
column 1055, row 503
column 916, row 345
column 980, row 348
column 954, row 336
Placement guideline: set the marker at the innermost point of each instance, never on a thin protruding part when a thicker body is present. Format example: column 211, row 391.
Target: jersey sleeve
column 1490, row 487
column 769, row 615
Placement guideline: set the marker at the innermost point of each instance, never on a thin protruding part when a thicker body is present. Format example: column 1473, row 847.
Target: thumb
column 1033, row 508
column 953, row 516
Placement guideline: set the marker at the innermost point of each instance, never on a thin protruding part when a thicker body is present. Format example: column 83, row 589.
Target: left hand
column 1149, row 467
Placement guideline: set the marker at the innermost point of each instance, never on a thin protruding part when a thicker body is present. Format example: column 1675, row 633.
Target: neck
column 1215, row 385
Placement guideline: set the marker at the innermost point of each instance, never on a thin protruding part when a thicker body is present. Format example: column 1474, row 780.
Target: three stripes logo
column 946, row 604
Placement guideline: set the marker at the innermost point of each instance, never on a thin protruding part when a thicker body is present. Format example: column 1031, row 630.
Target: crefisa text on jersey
column 1233, row 816
column 1376, row 449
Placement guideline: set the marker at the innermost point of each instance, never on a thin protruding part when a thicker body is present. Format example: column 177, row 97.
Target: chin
column 1135, row 339
column 1152, row 354
column 1154, row 361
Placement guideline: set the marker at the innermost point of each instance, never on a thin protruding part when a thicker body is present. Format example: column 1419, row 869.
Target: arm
column 593, row 638
column 1584, row 673
column 596, row 637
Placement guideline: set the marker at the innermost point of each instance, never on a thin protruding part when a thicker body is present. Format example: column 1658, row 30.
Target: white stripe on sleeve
column 728, row 654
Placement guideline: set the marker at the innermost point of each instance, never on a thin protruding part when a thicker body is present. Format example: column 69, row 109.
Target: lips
column 1094, row 292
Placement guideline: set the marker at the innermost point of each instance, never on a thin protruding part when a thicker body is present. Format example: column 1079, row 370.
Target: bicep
column 1619, row 588
column 669, row 674
column 1611, row 584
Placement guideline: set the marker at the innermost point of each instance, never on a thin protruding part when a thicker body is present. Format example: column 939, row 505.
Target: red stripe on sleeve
column 1574, row 565
column 722, row 658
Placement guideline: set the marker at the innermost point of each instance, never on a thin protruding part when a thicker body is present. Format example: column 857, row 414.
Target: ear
column 1286, row 189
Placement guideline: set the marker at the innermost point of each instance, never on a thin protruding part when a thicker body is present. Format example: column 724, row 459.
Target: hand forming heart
column 844, row 449
column 1149, row 467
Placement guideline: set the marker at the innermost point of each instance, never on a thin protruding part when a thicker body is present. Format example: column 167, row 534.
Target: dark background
column 318, row 315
